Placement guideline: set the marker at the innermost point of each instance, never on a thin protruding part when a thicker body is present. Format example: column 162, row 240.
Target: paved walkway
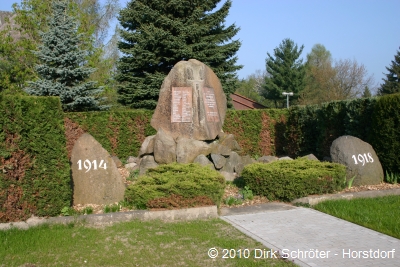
column 312, row 238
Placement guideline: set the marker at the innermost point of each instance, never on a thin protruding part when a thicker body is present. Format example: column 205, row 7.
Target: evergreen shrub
column 287, row 180
column 34, row 167
column 176, row 185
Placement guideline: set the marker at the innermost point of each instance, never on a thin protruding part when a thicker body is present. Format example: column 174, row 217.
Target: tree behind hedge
column 158, row 34
column 62, row 72
column 286, row 73
column 391, row 83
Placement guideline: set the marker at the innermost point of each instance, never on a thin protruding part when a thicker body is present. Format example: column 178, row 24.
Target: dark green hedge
column 34, row 168
column 312, row 129
column 121, row 133
column 384, row 135
column 287, row 180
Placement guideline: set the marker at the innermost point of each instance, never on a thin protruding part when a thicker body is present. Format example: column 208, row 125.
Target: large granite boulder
column 188, row 149
column 95, row 176
column 164, row 148
column 230, row 142
column 248, row 160
column 217, row 148
column 147, row 162
column 147, row 146
column 204, row 161
column 219, row 161
column 191, row 102
column 360, row 159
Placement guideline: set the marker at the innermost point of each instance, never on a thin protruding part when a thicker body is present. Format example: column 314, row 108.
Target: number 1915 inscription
column 88, row 165
column 365, row 158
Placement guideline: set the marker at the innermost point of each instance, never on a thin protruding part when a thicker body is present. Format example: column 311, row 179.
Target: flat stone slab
column 298, row 231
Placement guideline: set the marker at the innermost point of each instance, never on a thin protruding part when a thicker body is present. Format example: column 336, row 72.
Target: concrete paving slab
column 312, row 238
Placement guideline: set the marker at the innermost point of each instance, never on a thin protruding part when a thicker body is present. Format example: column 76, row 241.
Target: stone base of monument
column 220, row 154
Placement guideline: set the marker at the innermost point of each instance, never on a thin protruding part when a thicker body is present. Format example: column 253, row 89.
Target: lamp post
column 287, row 97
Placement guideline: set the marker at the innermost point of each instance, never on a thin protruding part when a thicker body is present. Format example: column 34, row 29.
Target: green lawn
column 381, row 214
column 137, row 243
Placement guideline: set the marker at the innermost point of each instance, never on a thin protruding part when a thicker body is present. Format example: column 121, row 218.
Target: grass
column 381, row 214
column 135, row 243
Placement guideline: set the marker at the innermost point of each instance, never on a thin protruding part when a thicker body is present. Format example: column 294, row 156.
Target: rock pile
column 220, row 154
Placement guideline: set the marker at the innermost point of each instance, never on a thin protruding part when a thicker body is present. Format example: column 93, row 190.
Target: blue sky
column 364, row 30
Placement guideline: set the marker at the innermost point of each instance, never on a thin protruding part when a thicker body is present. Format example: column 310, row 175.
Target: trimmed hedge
column 176, row 183
column 385, row 132
column 258, row 132
column 287, row 180
column 34, row 168
column 312, row 129
column 121, row 133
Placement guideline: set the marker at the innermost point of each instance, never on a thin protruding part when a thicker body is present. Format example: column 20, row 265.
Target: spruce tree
column 62, row 72
column 286, row 73
column 19, row 37
column 391, row 83
column 156, row 34
column 367, row 92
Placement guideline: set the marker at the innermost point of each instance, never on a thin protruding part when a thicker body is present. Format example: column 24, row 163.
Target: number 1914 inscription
column 87, row 164
column 363, row 158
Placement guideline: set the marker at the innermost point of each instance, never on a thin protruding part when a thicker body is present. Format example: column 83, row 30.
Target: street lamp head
column 287, row 97
column 290, row 93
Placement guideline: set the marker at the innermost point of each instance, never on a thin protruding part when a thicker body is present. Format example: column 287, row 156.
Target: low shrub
column 176, row 186
column 287, row 180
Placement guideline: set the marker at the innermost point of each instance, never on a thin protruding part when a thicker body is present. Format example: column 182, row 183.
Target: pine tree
column 286, row 73
column 367, row 92
column 157, row 34
column 62, row 72
column 391, row 83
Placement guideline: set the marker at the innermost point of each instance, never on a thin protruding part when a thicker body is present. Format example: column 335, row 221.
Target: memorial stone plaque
column 181, row 104
column 191, row 102
column 210, row 104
